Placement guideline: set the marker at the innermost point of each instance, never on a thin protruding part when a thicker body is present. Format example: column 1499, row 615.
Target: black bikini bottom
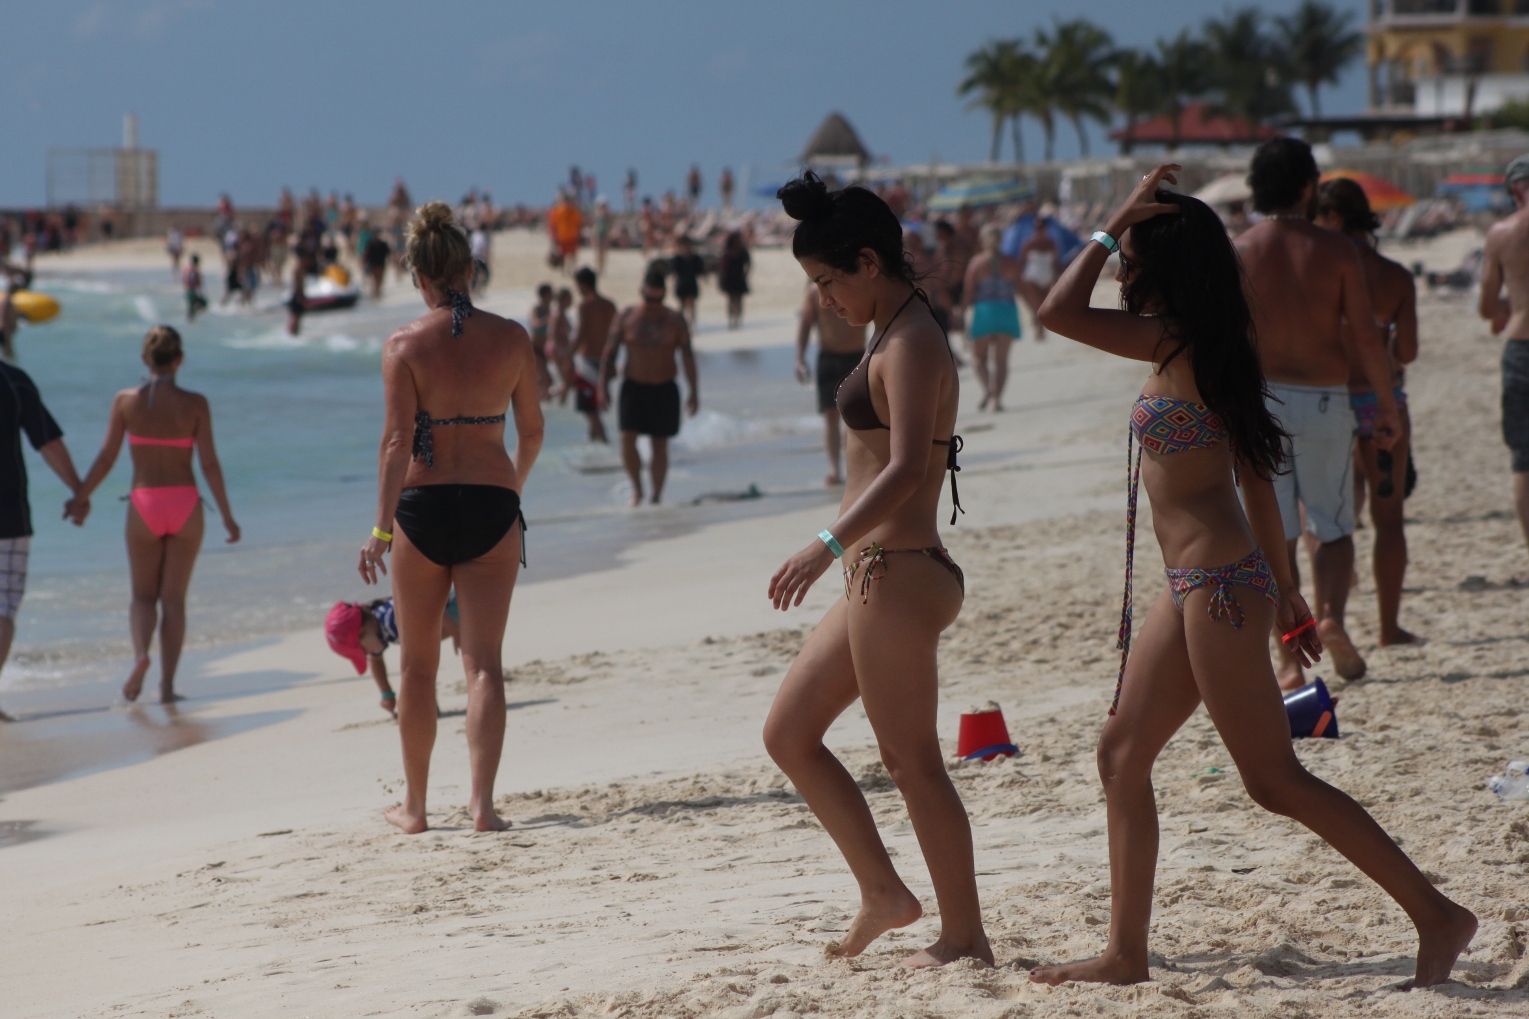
column 454, row 524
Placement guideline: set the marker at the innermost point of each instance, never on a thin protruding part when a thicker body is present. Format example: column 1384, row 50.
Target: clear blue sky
column 250, row 96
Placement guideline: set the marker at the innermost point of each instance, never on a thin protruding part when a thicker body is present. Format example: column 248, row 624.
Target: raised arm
column 116, row 429
column 1067, row 310
column 525, row 404
column 400, row 402
column 207, row 455
column 1492, row 306
column 1368, row 351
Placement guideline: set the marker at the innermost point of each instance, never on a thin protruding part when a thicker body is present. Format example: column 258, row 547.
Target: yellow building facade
column 1447, row 57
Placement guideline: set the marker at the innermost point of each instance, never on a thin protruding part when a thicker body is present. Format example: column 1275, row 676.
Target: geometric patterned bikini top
column 1163, row 425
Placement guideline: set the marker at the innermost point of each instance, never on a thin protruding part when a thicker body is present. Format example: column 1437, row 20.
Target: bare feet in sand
column 636, row 500
column 409, row 824
column 1109, row 968
column 942, row 952
column 876, row 917
column 1398, row 636
column 1345, row 659
column 170, row 696
column 134, row 685
column 1440, row 945
column 490, row 821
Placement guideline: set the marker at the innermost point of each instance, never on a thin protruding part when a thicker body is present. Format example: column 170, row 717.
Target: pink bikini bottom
column 165, row 510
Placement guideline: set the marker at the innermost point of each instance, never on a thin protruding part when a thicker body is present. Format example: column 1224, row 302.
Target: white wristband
column 1110, row 244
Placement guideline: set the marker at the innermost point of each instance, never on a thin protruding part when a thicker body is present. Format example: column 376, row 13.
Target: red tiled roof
column 1197, row 125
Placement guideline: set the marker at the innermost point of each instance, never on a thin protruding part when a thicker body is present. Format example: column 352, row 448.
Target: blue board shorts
column 1319, row 474
column 990, row 318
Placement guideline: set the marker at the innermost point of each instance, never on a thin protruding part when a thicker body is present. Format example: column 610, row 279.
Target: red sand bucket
column 984, row 735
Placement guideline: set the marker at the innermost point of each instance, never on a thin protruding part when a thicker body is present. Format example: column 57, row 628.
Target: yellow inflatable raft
column 33, row 306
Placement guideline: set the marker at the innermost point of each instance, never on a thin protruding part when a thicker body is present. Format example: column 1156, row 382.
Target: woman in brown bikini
column 902, row 589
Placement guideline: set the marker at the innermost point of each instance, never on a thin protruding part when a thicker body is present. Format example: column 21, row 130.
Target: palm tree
column 1139, row 91
column 1182, row 62
column 1249, row 70
column 1076, row 57
column 994, row 75
column 1321, row 43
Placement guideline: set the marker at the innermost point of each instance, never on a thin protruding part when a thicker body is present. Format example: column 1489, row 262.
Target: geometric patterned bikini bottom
column 1251, row 571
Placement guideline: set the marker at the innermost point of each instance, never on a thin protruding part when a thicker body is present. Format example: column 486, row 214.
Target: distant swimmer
column 448, row 504
column 163, row 424
column 175, row 246
column 540, row 321
column 374, row 260
column 602, row 232
column 649, row 404
column 733, row 276
column 687, row 268
column 879, row 643
column 588, row 349
column 360, row 632
column 840, row 348
column 559, row 347
column 22, row 413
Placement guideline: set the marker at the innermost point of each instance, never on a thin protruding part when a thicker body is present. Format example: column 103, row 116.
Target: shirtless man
column 650, row 400
column 1506, row 263
column 1303, row 283
column 840, row 347
column 595, row 314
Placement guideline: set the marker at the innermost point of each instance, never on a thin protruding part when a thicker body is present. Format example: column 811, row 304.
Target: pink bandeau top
column 144, row 440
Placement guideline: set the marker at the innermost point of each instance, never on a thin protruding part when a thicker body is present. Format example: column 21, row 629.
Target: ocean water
column 296, row 422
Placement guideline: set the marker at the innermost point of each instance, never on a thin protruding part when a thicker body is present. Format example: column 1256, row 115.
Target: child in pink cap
column 361, row 631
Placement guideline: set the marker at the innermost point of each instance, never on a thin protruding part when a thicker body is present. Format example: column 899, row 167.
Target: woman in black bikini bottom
column 449, row 504
column 878, row 644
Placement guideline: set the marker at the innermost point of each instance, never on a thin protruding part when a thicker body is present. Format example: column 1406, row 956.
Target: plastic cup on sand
column 984, row 735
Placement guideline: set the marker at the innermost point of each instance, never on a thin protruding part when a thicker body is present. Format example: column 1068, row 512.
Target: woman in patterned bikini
column 1202, row 421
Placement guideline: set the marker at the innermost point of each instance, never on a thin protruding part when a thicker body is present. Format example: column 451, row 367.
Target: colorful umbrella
column 977, row 192
column 1383, row 195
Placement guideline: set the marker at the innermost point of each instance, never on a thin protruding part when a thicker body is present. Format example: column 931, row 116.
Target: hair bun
column 434, row 215
column 807, row 198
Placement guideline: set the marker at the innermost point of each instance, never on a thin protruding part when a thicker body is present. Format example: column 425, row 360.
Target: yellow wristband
column 378, row 532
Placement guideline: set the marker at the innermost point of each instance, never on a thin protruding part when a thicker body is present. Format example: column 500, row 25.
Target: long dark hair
column 835, row 226
column 1191, row 278
column 1346, row 198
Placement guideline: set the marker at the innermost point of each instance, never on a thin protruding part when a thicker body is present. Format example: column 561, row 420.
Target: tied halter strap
column 424, row 445
column 1164, row 426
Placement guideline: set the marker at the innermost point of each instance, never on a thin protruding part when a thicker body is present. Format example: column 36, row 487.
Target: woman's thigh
column 1158, row 694
column 420, row 589
column 145, row 557
column 894, row 637
column 484, row 588
column 180, row 552
column 818, row 687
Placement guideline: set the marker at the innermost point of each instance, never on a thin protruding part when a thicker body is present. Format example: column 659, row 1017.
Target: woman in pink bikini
column 162, row 423
column 1202, row 421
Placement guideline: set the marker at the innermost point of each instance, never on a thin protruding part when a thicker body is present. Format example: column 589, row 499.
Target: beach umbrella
column 975, row 192
column 1231, row 188
column 1476, row 192
column 1383, row 195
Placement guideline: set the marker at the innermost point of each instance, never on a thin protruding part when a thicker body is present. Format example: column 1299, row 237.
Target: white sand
column 660, row 866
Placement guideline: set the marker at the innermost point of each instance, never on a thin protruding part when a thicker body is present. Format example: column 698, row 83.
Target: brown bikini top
column 853, row 399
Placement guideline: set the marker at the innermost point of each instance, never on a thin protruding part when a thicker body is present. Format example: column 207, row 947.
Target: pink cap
column 342, row 628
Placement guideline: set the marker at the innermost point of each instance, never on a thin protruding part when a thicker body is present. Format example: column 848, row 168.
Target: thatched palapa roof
column 835, row 140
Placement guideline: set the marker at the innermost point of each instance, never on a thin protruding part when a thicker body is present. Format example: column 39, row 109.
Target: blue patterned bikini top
column 1162, row 424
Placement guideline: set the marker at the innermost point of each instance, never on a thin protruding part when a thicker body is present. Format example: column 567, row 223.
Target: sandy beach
column 660, row 865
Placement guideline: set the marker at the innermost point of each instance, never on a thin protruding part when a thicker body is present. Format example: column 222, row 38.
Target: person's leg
column 7, row 634
column 420, row 588
column 1327, row 494
column 818, row 687
column 145, row 561
column 1390, row 554
column 596, row 427
column 980, row 366
column 831, row 444
column 632, row 461
column 1158, row 696
column 180, row 551
column 660, row 465
column 1289, row 672
column 484, row 587
column 1001, row 345
column 893, row 641
column 1521, row 505
column 1232, row 672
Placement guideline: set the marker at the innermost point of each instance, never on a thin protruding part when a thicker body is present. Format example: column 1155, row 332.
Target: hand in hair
column 1142, row 204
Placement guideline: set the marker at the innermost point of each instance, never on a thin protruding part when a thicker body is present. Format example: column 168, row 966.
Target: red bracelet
column 1293, row 634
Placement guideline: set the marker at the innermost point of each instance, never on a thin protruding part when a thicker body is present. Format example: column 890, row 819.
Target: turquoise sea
column 297, row 423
